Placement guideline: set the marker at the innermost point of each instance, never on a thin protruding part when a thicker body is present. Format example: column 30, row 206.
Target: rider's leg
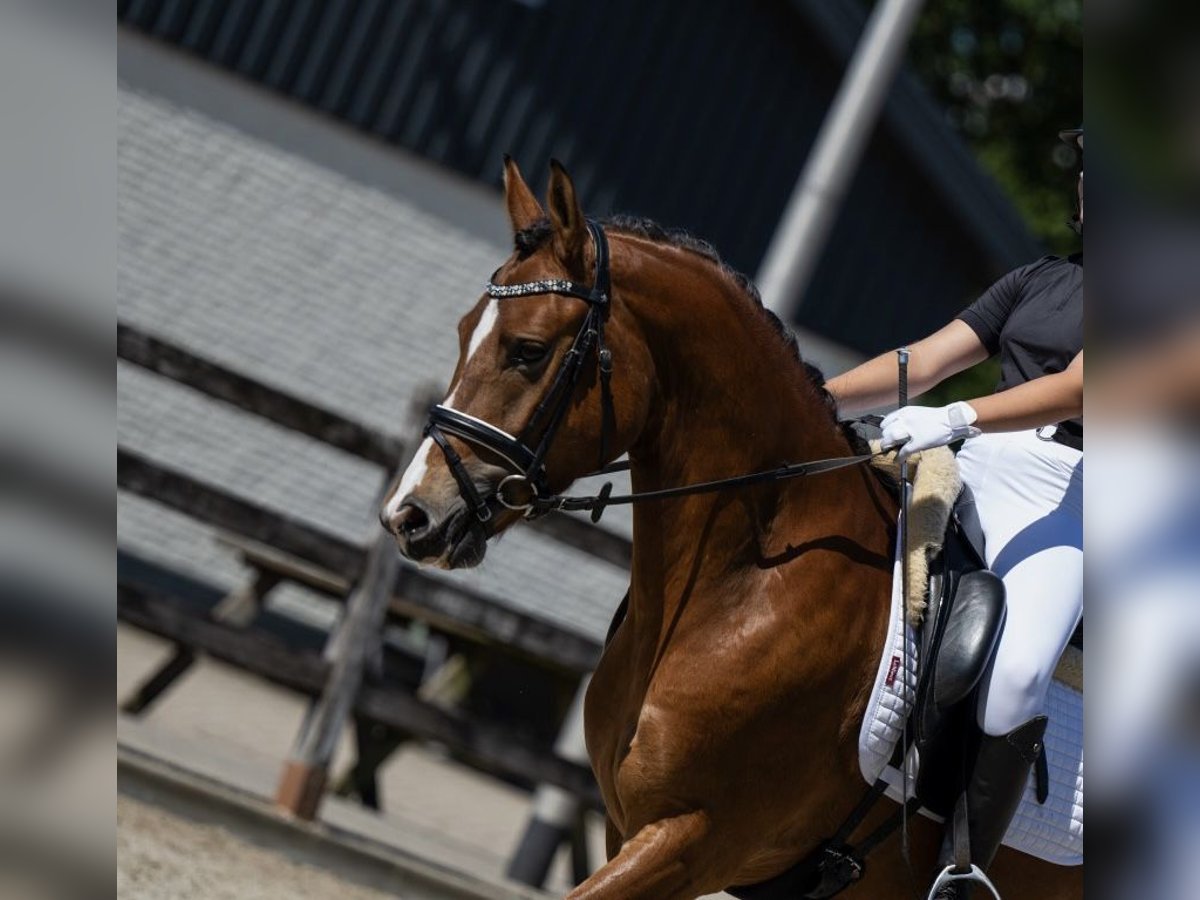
column 994, row 793
column 1029, row 497
column 1044, row 594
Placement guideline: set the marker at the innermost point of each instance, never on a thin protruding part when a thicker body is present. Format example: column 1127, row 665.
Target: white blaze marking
column 411, row 478
column 416, row 470
column 487, row 321
column 483, row 327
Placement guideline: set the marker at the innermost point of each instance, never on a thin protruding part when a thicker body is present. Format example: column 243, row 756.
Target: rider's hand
column 917, row 428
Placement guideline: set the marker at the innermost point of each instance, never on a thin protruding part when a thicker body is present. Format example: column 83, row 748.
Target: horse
column 722, row 719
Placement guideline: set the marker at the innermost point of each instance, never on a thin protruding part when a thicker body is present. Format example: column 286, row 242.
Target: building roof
column 701, row 122
column 306, row 280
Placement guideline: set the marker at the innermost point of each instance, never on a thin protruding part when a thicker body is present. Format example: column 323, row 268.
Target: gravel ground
column 162, row 856
column 242, row 729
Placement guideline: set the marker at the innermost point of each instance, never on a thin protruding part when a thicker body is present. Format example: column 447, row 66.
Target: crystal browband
column 546, row 286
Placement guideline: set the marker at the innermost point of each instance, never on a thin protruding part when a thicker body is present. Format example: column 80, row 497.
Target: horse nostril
column 409, row 521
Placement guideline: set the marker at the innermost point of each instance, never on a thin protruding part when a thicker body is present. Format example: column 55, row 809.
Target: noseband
column 526, row 453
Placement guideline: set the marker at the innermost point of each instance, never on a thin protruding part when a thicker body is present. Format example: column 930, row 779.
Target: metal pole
column 804, row 228
column 902, row 355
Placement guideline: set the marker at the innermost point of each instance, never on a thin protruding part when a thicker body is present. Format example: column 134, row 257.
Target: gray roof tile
column 314, row 283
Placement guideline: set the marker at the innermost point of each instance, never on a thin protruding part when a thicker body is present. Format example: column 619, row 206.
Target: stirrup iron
column 974, row 875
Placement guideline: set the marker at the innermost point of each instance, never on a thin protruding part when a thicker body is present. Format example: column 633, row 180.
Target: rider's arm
column 946, row 352
column 1042, row 401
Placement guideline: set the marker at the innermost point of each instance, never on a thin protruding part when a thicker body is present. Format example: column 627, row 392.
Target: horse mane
column 530, row 239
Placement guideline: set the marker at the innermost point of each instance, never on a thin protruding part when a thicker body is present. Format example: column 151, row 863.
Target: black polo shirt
column 1032, row 317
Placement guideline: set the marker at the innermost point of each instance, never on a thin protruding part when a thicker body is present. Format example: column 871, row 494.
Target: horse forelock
column 530, row 240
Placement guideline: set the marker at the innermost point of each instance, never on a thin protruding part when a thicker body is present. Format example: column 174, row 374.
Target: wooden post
column 302, row 782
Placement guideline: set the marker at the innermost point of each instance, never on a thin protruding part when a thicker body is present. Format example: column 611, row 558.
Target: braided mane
column 533, row 238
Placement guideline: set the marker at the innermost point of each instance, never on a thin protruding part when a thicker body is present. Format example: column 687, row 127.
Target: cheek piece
column 526, row 453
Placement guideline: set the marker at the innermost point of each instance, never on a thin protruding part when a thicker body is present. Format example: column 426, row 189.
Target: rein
column 528, row 458
column 598, row 502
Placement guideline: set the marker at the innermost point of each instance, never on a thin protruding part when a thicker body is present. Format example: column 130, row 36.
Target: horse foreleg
column 658, row 862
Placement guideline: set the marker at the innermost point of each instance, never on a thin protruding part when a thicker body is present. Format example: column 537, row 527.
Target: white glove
column 917, row 428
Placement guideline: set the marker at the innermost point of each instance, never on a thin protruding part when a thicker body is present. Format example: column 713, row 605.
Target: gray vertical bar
column 800, row 239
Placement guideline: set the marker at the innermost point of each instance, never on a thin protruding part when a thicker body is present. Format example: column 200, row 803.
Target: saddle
column 963, row 613
column 958, row 637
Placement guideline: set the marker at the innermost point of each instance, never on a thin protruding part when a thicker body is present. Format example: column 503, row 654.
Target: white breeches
column 1029, row 494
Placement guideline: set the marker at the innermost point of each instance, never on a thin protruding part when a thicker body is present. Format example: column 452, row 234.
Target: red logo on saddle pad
column 892, row 669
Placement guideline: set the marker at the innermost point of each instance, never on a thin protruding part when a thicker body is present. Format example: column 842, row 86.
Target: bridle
column 526, row 453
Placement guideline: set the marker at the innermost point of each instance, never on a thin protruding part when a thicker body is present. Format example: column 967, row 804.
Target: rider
column 1023, row 460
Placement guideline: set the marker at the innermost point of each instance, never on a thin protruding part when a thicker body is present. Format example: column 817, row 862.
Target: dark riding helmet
column 1074, row 137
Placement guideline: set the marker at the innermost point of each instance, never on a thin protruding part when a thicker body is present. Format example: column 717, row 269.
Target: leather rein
column 526, row 453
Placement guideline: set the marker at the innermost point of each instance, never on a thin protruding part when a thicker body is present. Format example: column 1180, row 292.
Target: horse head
column 535, row 400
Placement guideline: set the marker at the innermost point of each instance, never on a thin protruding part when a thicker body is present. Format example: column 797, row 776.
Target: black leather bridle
column 526, row 453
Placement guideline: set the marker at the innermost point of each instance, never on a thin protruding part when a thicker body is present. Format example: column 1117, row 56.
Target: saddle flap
column 962, row 622
column 958, row 646
column 970, row 636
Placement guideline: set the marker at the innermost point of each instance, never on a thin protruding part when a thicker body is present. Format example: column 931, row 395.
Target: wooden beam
column 583, row 535
column 417, row 593
column 437, row 603
column 495, row 747
column 140, row 475
column 240, row 607
column 266, row 558
column 429, row 597
column 282, row 408
column 252, row 650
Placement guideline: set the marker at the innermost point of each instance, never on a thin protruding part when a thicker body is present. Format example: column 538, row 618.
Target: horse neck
column 731, row 399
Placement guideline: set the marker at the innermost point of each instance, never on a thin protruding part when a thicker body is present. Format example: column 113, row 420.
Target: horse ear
column 523, row 208
column 570, row 228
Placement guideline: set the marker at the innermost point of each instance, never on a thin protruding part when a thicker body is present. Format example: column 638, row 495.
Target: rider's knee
column 1015, row 693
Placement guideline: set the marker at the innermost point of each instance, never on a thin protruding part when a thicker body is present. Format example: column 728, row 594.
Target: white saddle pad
column 1052, row 831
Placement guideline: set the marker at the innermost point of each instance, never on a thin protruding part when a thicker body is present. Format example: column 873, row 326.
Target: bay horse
column 722, row 719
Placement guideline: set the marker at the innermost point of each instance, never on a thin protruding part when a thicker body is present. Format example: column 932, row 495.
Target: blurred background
column 306, row 200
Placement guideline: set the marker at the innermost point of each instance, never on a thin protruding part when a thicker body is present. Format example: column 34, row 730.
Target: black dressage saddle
column 957, row 640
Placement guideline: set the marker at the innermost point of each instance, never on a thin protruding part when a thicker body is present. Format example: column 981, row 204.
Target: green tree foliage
column 1009, row 75
column 1143, row 83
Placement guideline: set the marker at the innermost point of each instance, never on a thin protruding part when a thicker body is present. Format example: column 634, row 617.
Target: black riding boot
column 997, row 785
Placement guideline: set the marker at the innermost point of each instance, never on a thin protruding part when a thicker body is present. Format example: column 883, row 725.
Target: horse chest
column 624, row 733
column 645, row 736
column 610, row 722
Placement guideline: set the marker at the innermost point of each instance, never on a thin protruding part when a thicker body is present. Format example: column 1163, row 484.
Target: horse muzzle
column 449, row 539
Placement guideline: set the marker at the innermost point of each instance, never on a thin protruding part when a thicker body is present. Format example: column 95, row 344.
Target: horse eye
column 528, row 353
